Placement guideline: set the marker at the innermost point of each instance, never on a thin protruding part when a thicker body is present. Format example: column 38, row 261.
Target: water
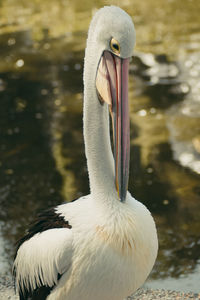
column 42, row 160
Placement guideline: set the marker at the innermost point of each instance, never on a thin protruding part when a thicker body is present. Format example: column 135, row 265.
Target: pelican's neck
column 98, row 151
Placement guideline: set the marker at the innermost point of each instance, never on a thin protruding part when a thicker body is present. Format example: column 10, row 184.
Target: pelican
column 103, row 245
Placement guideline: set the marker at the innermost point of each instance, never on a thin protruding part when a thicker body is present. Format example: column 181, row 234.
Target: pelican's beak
column 112, row 87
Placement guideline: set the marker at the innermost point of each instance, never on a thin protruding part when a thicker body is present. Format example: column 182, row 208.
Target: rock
column 7, row 293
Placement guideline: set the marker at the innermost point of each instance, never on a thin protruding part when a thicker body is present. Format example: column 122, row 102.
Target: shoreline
column 7, row 293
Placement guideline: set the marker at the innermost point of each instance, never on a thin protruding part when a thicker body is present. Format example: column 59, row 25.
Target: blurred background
column 42, row 160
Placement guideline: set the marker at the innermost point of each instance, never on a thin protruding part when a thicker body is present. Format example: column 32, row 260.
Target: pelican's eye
column 114, row 45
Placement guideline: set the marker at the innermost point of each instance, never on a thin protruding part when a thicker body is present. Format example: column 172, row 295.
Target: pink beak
column 112, row 87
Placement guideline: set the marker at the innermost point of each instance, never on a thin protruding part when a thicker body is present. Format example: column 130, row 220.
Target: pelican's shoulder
column 74, row 210
column 136, row 205
column 144, row 227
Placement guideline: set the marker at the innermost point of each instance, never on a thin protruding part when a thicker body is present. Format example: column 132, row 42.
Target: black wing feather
column 48, row 219
column 40, row 293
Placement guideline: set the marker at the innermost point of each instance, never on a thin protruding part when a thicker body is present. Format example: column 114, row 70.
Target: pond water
column 42, row 160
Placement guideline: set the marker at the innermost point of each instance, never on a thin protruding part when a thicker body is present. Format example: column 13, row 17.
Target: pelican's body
column 98, row 247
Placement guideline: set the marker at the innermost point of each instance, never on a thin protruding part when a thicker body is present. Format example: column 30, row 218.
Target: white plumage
column 109, row 247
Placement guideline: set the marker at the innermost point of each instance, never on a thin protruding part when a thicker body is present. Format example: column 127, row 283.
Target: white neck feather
column 96, row 132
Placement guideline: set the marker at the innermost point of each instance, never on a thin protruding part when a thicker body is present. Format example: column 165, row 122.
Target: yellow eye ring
column 114, row 45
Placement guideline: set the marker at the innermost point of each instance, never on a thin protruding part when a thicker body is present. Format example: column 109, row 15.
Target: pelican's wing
column 43, row 255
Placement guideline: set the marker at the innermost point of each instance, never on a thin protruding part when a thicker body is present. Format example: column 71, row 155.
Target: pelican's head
column 112, row 38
